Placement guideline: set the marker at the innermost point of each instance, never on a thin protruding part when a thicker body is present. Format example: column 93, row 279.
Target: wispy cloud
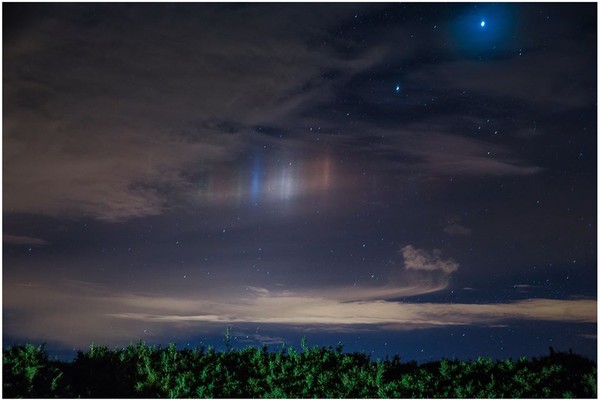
column 519, row 77
column 589, row 336
column 23, row 240
column 447, row 154
column 259, row 338
column 455, row 227
column 432, row 149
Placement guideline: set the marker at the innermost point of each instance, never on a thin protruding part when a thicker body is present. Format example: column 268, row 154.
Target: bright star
column 397, row 88
column 482, row 24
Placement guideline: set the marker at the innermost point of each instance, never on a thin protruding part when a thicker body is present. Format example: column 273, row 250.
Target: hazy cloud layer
column 114, row 128
column 550, row 87
column 114, row 319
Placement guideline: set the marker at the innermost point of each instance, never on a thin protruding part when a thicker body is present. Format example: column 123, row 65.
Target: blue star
column 397, row 88
column 482, row 23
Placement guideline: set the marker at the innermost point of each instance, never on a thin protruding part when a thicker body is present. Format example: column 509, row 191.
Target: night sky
column 413, row 179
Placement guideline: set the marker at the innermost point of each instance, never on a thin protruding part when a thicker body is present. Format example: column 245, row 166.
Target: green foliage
column 150, row 372
column 27, row 372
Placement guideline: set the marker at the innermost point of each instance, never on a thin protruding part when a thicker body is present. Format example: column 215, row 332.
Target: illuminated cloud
column 111, row 177
column 79, row 317
column 302, row 310
column 410, row 287
column 418, row 259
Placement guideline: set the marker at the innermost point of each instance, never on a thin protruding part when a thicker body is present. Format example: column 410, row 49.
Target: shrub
column 150, row 372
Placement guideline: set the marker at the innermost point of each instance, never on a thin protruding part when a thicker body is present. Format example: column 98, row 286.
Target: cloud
column 521, row 78
column 404, row 286
column 114, row 176
column 448, row 154
column 260, row 338
column 115, row 132
column 455, row 228
column 75, row 315
column 593, row 336
column 119, row 132
column 23, row 240
column 436, row 149
column 418, row 259
column 301, row 310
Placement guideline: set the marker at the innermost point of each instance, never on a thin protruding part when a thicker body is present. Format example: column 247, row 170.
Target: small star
column 482, row 24
column 397, row 88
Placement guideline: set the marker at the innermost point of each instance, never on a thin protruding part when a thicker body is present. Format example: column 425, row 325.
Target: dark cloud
column 78, row 138
column 519, row 78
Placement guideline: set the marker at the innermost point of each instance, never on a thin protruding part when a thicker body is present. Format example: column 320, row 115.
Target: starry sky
column 413, row 179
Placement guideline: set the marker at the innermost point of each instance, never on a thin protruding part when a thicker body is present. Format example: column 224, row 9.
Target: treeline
column 148, row 372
